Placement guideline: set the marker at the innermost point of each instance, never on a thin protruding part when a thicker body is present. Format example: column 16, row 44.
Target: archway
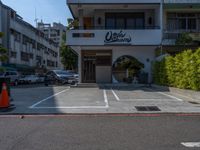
column 125, row 68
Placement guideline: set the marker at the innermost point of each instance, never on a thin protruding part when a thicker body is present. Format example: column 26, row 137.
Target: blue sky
column 48, row 10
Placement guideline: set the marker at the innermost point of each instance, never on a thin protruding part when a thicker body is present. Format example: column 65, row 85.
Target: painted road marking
column 173, row 97
column 191, row 144
column 70, row 107
column 115, row 95
column 34, row 105
column 178, row 99
column 105, row 98
column 150, row 99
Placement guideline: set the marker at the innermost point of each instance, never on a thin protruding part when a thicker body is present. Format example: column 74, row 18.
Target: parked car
column 13, row 75
column 29, row 79
column 40, row 78
column 60, row 77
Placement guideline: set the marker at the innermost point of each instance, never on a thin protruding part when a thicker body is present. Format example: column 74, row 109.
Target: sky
column 48, row 10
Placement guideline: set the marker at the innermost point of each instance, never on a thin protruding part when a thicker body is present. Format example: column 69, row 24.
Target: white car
column 13, row 75
column 30, row 79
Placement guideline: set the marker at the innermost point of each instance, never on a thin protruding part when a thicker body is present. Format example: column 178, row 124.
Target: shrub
column 182, row 70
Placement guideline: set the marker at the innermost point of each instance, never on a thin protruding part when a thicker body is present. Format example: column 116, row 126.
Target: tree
column 3, row 51
column 68, row 57
column 184, row 39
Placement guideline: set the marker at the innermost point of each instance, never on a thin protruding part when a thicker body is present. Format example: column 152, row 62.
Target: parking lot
column 102, row 99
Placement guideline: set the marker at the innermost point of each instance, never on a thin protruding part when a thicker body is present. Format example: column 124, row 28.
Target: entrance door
column 89, row 69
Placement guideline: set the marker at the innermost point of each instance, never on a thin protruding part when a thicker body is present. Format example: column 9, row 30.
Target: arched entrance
column 125, row 68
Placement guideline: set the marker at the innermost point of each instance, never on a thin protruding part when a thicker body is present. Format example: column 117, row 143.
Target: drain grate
column 147, row 108
column 193, row 102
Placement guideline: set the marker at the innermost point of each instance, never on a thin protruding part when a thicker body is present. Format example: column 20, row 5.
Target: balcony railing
column 115, row 28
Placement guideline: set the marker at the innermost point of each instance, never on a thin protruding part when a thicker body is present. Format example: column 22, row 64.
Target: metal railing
column 115, row 28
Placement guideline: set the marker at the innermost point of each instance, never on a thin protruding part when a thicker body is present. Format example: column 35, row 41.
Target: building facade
column 111, row 32
column 28, row 47
column 54, row 32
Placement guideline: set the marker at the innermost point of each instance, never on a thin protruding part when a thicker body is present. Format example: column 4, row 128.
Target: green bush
column 182, row 70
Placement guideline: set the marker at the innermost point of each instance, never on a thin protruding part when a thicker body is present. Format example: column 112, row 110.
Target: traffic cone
column 4, row 98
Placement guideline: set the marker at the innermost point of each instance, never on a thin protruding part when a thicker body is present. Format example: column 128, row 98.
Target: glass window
column 120, row 24
column 139, row 23
column 182, row 23
column 130, row 23
column 110, row 23
column 192, row 24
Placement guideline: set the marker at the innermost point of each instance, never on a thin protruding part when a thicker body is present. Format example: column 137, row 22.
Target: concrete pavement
column 103, row 99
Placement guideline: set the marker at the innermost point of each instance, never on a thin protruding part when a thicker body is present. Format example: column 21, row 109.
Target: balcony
column 99, row 37
column 111, row 1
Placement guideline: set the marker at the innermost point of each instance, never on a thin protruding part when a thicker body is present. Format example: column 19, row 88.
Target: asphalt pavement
column 150, row 132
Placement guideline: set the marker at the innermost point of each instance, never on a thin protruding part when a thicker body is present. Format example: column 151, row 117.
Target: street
column 156, row 132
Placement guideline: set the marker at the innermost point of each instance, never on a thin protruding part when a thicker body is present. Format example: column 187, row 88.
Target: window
column 110, row 23
column 13, row 54
column 124, row 20
column 182, row 21
column 24, row 56
column 120, row 23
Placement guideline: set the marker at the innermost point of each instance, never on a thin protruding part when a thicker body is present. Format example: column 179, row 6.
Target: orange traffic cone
column 4, row 98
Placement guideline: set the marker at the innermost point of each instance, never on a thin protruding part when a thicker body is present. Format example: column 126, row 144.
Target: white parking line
column 70, row 107
column 191, row 144
column 178, row 99
column 115, row 95
column 150, row 99
column 105, row 98
column 34, row 105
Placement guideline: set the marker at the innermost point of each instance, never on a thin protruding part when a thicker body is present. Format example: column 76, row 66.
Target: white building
column 111, row 31
column 28, row 47
column 54, row 32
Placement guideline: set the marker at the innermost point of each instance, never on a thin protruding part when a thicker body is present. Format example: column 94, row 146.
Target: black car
column 60, row 77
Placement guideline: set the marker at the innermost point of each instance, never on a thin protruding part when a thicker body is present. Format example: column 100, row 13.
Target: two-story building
column 113, row 34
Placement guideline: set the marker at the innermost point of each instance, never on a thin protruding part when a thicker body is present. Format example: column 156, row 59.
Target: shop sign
column 117, row 38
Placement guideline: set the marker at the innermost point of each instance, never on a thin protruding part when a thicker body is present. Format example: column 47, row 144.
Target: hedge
column 181, row 70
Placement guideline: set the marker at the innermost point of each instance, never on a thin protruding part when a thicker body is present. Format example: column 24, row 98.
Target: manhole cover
column 147, row 108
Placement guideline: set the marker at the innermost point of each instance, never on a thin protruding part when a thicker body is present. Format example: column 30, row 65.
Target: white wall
column 139, row 37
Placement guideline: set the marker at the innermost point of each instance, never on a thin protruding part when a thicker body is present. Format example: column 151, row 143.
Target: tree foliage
column 184, row 39
column 68, row 57
column 182, row 70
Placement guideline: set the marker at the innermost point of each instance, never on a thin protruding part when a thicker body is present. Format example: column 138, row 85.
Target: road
column 156, row 132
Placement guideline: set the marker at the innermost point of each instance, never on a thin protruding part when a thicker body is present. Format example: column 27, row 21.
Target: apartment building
column 54, row 32
column 112, row 34
column 28, row 47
